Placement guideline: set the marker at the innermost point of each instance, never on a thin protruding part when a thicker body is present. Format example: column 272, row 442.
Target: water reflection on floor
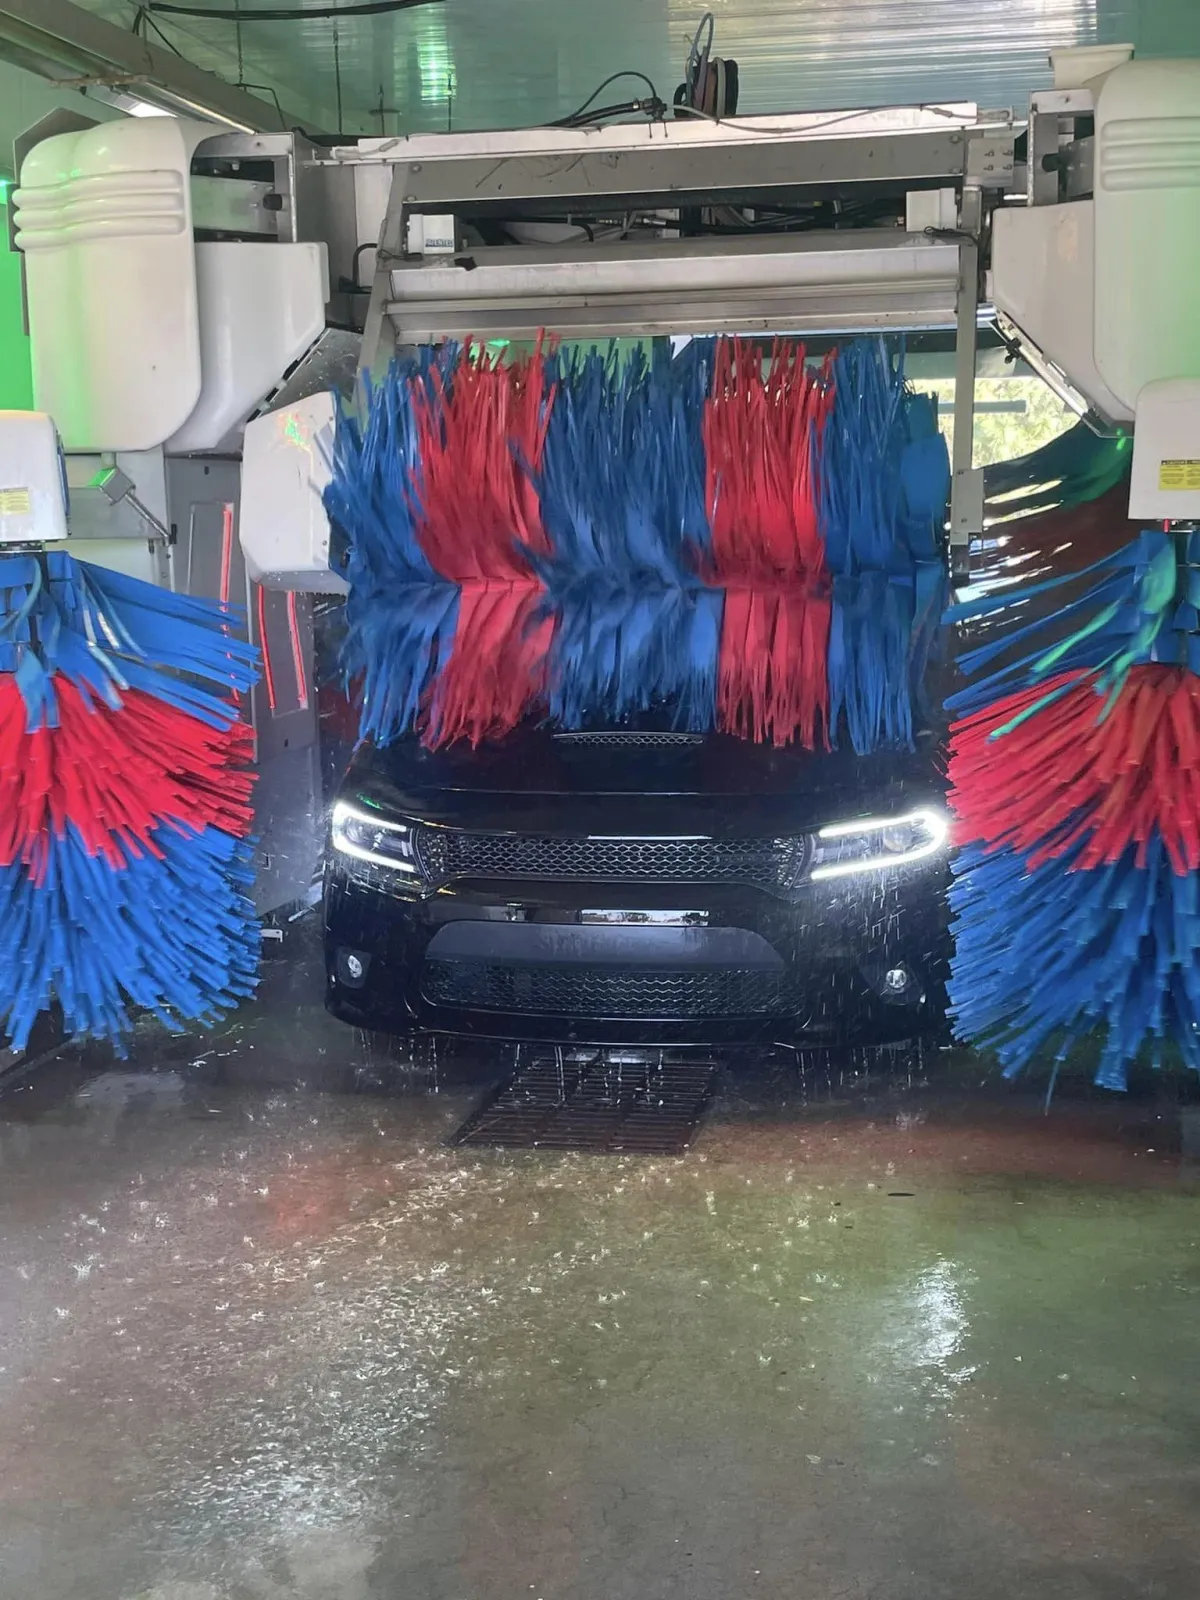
column 880, row 1333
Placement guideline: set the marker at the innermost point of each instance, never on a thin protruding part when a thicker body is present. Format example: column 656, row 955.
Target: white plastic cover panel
column 1147, row 225
column 1043, row 279
column 104, row 219
column 33, row 486
column 261, row 307
column 283, row 528
column 1166, row 453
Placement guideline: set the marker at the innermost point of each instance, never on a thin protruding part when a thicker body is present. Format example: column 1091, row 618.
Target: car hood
column 639, row 780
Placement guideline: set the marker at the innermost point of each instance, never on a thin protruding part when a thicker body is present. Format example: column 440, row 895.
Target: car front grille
column 771, row 864
column 615, row 992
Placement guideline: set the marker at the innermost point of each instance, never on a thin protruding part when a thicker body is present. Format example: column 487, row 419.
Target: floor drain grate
column 609, row 1101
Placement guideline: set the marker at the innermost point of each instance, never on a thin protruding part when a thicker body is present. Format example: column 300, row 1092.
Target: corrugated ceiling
column 488, row 63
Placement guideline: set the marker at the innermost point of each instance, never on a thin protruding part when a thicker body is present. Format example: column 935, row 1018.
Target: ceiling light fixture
column 74, row 48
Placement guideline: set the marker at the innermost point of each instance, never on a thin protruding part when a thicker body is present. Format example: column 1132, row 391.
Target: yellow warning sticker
column 1179, row 475
column 15, row 503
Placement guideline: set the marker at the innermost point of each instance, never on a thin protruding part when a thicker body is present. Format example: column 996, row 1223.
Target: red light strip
column 297, row 652
column 226, row 551
column 265, row 647
column 227, row 515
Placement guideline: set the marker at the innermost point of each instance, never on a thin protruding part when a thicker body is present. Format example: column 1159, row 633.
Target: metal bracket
column 1048, row 112
column 966, row 492
column 117, row 486
column 378, row 342
column 991, row 160
column 1063, row 102
column 966, row 514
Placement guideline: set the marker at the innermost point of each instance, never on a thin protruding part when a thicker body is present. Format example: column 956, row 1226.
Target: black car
column 638, row 887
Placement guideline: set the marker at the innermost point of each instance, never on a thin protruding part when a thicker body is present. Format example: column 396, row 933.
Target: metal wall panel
column 830, row 53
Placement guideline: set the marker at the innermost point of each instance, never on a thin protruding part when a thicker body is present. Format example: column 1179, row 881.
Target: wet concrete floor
column 886, row 1336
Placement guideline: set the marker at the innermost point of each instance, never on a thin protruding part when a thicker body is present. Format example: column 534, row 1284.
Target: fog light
column 355, row 969
column 896, row 984
column 352, row 968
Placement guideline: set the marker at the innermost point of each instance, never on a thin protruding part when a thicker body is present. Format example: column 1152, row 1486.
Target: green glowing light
column 16, row 366
column 436, row 67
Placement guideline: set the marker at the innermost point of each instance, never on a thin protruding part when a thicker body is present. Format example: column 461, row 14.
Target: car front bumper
column 609, row 963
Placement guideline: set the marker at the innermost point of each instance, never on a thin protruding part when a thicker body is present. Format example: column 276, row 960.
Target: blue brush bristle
column 1115, row 949
column 19, row 582
column 175, row 937
column 1124, row 616
column 870, row 634
column 1047, row 955
column 400, row 613
column 107, row 633
column 862, row 442
column 885, row 480
column 622, row 489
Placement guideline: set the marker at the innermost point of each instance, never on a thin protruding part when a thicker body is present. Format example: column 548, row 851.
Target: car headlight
column 877, row 844
column 369, row 838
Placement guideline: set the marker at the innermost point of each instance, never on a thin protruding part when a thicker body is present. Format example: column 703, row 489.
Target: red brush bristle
column 497, row 668
column 479, row 436
column 758, row 437
column 772, row 682
column 760, row 434
column 1070, row 774
column 116, row 775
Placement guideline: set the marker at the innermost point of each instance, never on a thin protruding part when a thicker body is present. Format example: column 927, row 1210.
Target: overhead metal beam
column 664, row 173
column 72, row 48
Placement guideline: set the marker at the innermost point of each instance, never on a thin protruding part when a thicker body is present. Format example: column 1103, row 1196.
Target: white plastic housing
column 1078, row 65
column 261, row 307
column 104, row 219
column 1043, row 279
column 1166, row 453
column 33, row 486
column 284, row 531
column 1147, row 187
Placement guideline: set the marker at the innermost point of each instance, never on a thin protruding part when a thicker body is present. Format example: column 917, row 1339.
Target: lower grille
column 449, row 853
column 617, row 992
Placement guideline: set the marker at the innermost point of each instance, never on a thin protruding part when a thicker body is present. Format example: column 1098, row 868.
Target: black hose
column 358, row 8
